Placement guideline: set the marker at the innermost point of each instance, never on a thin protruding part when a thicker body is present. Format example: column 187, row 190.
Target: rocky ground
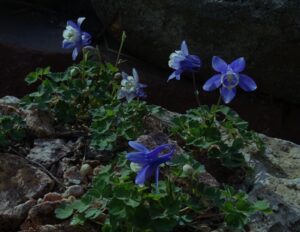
column 58, row 167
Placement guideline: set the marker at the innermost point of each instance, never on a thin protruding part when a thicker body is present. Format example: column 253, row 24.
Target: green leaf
column 132, row 203
column 78, row 219
column 34, row 76
column 93, row 213
column 64, row 212
column 262, row 206
column 80, row 206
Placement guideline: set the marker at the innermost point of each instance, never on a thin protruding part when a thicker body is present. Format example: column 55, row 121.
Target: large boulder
column 277, row 181
column 21, row 184
column 265, row 32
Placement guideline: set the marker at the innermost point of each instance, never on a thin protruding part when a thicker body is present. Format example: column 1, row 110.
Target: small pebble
column 74, row 190
column 96, row 170
column 85, row 169
column 52, row 197
column 73, row 176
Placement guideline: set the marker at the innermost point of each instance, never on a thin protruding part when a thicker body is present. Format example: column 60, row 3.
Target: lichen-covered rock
column 265, row 32
column 10, row 100
column 20, row 185
column 48, row 151
column 283, row 156
column 277, row 180
column 39, row 123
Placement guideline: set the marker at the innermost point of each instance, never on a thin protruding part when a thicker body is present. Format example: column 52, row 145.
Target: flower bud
column 187, row 169
column 117, row 75
column 74, row 71
column 135, row 167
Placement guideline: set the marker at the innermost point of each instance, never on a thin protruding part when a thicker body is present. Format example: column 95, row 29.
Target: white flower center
column 175, row 58
column 71, row 34
column 230, row 80
column 129, row 84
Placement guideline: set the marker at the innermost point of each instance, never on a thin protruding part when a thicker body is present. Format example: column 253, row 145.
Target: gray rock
column 39, row 123
column 85, row 169
column 73, row 176
column 20, row 185
column 265, row 32
column 284, row 156
column 48, row 151
column 10, row 100
column 74, row 190
column 277, row 180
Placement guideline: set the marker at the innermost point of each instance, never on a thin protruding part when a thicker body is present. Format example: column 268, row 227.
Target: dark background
column 31, row 36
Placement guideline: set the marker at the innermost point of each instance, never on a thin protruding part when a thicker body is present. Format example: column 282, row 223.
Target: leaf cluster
column 117, row 204
column 70, row 95
column 218, row 132
column 12, row 129
column 113, row 124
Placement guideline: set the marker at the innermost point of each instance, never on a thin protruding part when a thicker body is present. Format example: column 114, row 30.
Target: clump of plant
column 219, row 132
column 178, row 200
column 95, row 96
column 110, row 124
column 70, row 95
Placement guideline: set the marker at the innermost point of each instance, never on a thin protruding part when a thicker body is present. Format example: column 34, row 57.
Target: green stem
column 214, row 108
column 195, row 90
column 219, row 100
column 121, row 47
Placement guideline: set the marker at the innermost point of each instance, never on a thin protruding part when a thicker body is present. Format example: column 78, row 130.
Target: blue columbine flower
column 130, row 86
column 229, row 78
column 74, row 38
column 149, row 161
column 182, row 61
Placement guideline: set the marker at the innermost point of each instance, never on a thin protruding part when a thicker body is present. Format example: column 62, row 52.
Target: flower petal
column 219, row 64
column 75, row 53
column 159, row 149
column 172, row 76
column 72, row 24
column 80, row 20
column 247, row 83
column 212, row 83
column 155, row 157
column 142, row 85
column 122, row 94
column 228, row 94
column 144, row 174
column 86, row 38
column 68, row 44
column 130, row 97
column 238, row 65
column 137, row 157
column 138, row 146
column 124, row 75
column 184, row 48
column 176, row 74
column 135, row 75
